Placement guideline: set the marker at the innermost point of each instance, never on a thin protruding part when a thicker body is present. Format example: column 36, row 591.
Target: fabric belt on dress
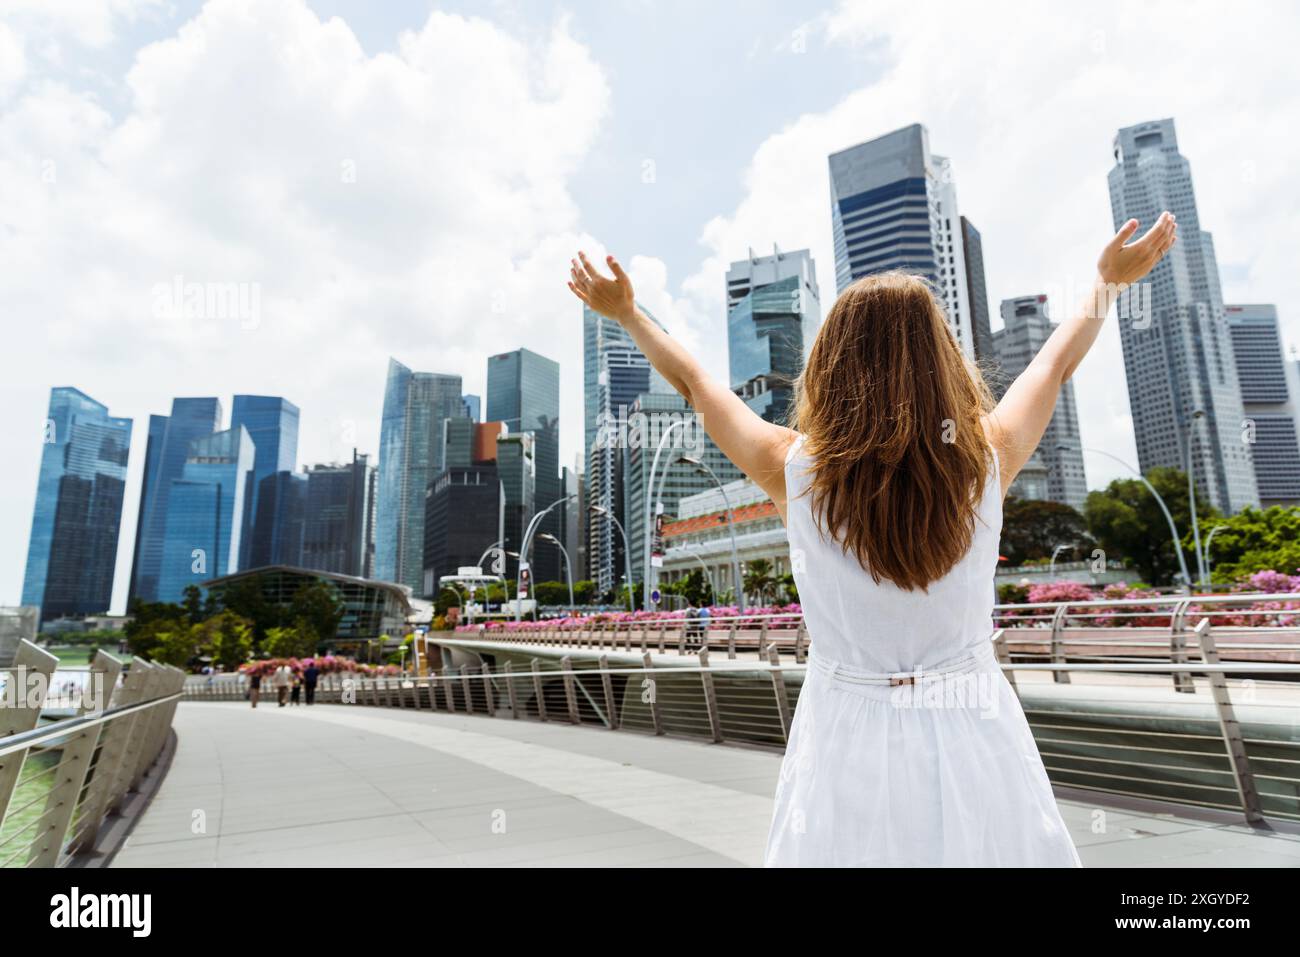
column 978, row 656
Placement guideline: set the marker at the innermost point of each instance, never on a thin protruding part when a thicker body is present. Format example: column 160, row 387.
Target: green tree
column 694, row 587
column 244, row 597
column 759, row 581
column 290, row 641
column 317, row 608
column 1032, row 528
column 584, row 592
column 1127, row 523
column 789, row 591
column 1255, row 540
column 226, row 638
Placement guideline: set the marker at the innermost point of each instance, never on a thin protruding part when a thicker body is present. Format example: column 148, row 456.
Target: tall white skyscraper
column 1268, row 400
column 1182, row 375
column 1025, row 327
column 894, row 206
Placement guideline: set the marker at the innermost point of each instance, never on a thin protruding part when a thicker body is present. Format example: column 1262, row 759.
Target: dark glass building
column 281, row 508
column 169, row 446
column 72, row 552
column 523, row 391
column 338, row 518
column 465, row 514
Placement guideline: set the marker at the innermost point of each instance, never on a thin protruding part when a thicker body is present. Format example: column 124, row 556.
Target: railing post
column 762, row 639
column 663, row 629
column 1232, row 738
column 510, row 690
column 607, row 685
column 28, row 660
column 1058, row 643
column 778, row 688
column 467, row 686
column 653, row 688
column 114, row 742
column 537, row 691
column 133, row 758
column 1003, row 654
column 489, row 694
column 710, row 696
column 1178, row 647
column 570, row 694
column 800, row 638
column 731, row 638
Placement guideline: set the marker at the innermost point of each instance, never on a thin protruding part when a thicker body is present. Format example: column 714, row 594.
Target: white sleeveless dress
column 937, row 768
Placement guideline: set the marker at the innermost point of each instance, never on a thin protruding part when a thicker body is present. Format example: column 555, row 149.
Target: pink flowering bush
column 778, row 616
column 326, row 665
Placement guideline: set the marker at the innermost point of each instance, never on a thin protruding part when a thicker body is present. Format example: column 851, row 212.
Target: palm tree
column 759, row 581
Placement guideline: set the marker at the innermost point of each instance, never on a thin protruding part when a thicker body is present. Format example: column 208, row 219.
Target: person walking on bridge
column 281, row 680
column 908, row 747
column 310, row 675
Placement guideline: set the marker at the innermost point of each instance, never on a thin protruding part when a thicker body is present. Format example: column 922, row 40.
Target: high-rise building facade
column 1025, row 328
column 465, row 515
column 72, row 551
column 280, row 514
column 169, row 447
column 272, row 424
column 977, row 294
column 205, row 512
column 773, row 310
column 1178, row 358
column 523, row 391
column 338, row 531
column 517, row 470
column 1269, row 405
column 411, row 455
column 894, row 206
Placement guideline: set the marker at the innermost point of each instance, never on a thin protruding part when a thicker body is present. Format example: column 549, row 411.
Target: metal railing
column 1118, row 728
column 61, row 780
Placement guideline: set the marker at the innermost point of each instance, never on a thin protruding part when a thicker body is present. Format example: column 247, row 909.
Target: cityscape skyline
column 337, row 423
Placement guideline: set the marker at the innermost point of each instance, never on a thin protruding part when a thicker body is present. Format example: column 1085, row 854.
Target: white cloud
column 1025, row 99
column 90, row 23
column 413, row 203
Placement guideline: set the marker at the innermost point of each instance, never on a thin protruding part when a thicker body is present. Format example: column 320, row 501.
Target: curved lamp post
column 523, row 550
column 703, row 469
column 1051, row 567
column 649, row 501
column 1173, row 529
column 568, row 569
column 1209, row 538
column 627, row 551
column 1191, row 497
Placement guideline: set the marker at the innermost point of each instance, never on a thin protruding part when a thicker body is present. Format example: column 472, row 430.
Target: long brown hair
column 890, row 410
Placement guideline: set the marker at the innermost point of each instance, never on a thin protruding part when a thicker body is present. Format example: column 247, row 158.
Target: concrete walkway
column 337, row 786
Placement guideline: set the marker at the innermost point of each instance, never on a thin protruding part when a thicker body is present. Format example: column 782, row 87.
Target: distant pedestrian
column 254, row 687
column 309, row 679
column 295, row 695
column 281, row 680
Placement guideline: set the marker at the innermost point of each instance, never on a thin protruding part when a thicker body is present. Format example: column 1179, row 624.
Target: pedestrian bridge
column 638, row 743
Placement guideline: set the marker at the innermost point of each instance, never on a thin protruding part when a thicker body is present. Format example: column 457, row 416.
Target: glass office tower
column 72, row 551
column 272, row 424
column 523, row 391
column 1270, row 407
column 411, row 455
column 205, row 513
column 190, row 418
column 1182, row 375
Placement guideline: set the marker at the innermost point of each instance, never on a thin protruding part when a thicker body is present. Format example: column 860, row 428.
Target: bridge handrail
column 103, row 752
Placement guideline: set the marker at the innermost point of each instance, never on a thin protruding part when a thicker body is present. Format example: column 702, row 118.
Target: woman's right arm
column 1017, row 425
column 757, row 447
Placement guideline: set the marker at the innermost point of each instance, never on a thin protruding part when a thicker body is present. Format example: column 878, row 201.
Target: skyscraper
column 523, row 391
column 977, row 293
column 1178, row 358
column 1025, row 327
column 72, row 551
column 773, row 310
column 190, row 418
column 600, row 334
column 473, row 407
column 894, row 206
column 1269, row 404
column 410, row 457
column 281, row 511
column 272, row 424
column 205, row 512
column 517, row 469
column 337, row 531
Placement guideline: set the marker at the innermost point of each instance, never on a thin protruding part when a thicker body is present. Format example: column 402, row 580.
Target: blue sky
column 141, row 140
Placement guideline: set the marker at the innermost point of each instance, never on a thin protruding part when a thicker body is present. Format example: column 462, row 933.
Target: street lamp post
column 649, row 500
column 1209, row 538
column 702, row 467
column 708, row 574
column 1051, row 567
column 627, row 551
column 523, row 551
column 1191, row 498
column 1173, row 529
column 568, row 569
